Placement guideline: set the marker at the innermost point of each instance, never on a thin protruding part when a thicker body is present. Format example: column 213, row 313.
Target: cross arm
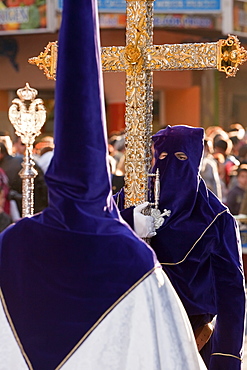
column 224, row 55
column 182, row 56
column 113, row 59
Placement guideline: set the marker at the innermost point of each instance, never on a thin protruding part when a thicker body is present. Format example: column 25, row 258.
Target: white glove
column 143, row 225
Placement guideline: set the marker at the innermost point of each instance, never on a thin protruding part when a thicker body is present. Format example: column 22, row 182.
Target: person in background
column 18, row 148
column 209, row 169
column 6, row 139
column 43, row 142
column 216, row 133
column 237, row 130
column 116, row 145
column 5, row 219
column 236, row 144
column 242, row 154
column 236, row 195
column 224, row 147
column 45, row 158
column 4, row 184
column 12, row 166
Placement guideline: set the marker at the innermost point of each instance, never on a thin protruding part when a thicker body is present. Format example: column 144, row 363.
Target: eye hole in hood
column 181, row 156
column 163, row 155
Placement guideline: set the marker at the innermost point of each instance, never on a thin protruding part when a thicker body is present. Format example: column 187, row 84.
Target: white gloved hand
column 143, row 225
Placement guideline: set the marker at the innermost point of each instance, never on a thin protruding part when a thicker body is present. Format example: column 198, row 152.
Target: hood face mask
column 178, row 153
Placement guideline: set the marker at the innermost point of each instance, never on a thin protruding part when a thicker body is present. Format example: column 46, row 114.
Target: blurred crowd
column 224, row 165
column 224, row 169
column 12, row 152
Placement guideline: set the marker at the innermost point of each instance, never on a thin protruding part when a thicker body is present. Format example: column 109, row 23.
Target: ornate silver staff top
column 155, row 212
column 27, row 115
column 152, row 208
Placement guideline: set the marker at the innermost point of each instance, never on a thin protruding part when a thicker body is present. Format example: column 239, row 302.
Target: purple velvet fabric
column 61, row 270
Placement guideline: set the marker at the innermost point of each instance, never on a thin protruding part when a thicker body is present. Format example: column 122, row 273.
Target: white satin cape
column 147, row 330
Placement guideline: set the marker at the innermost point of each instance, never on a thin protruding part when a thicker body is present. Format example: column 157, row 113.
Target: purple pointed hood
column 78, row 180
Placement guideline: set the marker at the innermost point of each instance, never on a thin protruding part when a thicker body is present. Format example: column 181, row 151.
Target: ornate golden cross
column 139, row 58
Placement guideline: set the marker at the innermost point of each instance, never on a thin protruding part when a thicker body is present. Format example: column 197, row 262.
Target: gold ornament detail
column 230, row 55
column 132, row 54
column 182, row 57
column 47, row 60
column 139, row 98
column 113, row 59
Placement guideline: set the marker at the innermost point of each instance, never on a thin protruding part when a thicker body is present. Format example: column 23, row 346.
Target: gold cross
column 139, row 58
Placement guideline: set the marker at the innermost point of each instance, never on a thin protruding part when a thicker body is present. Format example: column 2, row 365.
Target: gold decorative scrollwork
column 47, row 60
column 230, row 55
column 113, row 59
column 139, row 99
column 132, row 54
column 182, row 56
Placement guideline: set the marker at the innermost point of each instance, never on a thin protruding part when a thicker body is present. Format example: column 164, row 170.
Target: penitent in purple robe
column 199, row 246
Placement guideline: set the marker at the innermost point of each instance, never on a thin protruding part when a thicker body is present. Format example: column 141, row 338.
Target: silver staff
column 152, row 209
column 155, row 212
column 27, row 115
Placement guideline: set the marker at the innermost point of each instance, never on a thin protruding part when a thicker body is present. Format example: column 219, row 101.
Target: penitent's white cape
column 147, row 330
